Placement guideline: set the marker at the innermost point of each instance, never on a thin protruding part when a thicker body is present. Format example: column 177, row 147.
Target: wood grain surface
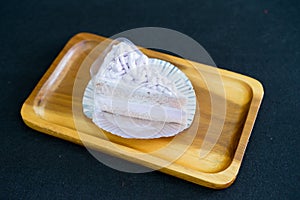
column 227, row 105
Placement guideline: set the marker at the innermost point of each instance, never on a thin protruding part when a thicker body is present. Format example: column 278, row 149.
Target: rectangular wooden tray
column 49, row 109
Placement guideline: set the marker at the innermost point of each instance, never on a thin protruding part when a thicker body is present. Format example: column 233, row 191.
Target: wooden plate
column 223, row 123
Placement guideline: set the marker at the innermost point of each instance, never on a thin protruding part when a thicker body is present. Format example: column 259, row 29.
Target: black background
column 258, row 39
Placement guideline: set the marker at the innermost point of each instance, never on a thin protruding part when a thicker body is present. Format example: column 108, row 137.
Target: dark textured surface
column 259, row 39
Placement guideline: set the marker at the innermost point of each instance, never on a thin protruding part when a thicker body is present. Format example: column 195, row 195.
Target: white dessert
column 135, row 87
